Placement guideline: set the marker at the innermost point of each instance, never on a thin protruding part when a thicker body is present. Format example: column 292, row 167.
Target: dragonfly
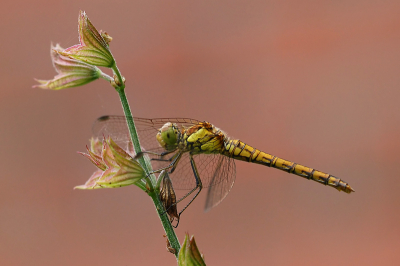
column 199, row 155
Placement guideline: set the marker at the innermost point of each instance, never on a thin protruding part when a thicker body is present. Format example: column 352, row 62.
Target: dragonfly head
column 168, row 136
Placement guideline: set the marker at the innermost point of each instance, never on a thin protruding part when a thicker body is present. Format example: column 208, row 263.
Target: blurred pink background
column 315, row 82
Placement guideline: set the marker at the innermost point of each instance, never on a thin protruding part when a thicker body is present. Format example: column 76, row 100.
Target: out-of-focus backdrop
column 316, row 82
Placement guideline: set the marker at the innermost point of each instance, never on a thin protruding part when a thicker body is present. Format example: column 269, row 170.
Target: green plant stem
column 120, row 82
column 133, row 133
column 169, row 230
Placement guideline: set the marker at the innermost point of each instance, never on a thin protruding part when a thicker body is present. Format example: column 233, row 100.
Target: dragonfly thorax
column 168, row 136
column 203, row 138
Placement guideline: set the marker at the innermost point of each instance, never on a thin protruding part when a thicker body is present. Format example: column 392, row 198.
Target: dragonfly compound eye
column 167, row 136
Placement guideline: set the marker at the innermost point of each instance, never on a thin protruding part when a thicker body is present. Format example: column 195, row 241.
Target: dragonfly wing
column 112, row 126
column 183, row 177
column 147, row 129
column 207, row 164
column 221, row 182
column 217, row 173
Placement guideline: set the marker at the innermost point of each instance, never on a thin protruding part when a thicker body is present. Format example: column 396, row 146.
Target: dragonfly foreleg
column 175, row 163
column 199, row 186
column 140, row 154
column 163, row 160
column 175, row 159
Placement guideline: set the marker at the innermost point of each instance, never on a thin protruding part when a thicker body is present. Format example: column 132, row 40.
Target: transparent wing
column 115, row 126
column 209, row 166
column 217, row 173
column 221, row 182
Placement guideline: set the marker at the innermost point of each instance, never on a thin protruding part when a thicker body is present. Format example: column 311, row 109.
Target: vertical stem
column 132, row 131
column 121, row 83
column 169, row 231
column 131, row 124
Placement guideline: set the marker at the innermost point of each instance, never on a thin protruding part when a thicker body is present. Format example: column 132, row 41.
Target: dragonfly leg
column 140, row 154
column 158, row 154
column 163, row 160
column 199, row 186
column 172, row 165
column 175, row 163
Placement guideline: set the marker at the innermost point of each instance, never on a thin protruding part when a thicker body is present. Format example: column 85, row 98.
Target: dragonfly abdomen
column 241, row 151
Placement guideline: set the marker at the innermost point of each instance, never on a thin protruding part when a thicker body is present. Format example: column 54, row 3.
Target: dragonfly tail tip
column 350, row 189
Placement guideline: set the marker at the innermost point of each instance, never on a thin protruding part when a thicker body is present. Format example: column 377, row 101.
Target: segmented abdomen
column 241, row 151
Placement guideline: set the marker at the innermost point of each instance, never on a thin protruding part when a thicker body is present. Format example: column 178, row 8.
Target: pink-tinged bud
column 189, row 253
column 93, row 49
column 106, row 36
column 71, row 72
column 116, row 167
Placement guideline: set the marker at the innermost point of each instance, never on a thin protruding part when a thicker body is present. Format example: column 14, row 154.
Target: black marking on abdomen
column 244, row 145
column 327, row 180
column 292, row 168
column 273, row 161
column 234, row 148
column 311, row 174
column 251, row 155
